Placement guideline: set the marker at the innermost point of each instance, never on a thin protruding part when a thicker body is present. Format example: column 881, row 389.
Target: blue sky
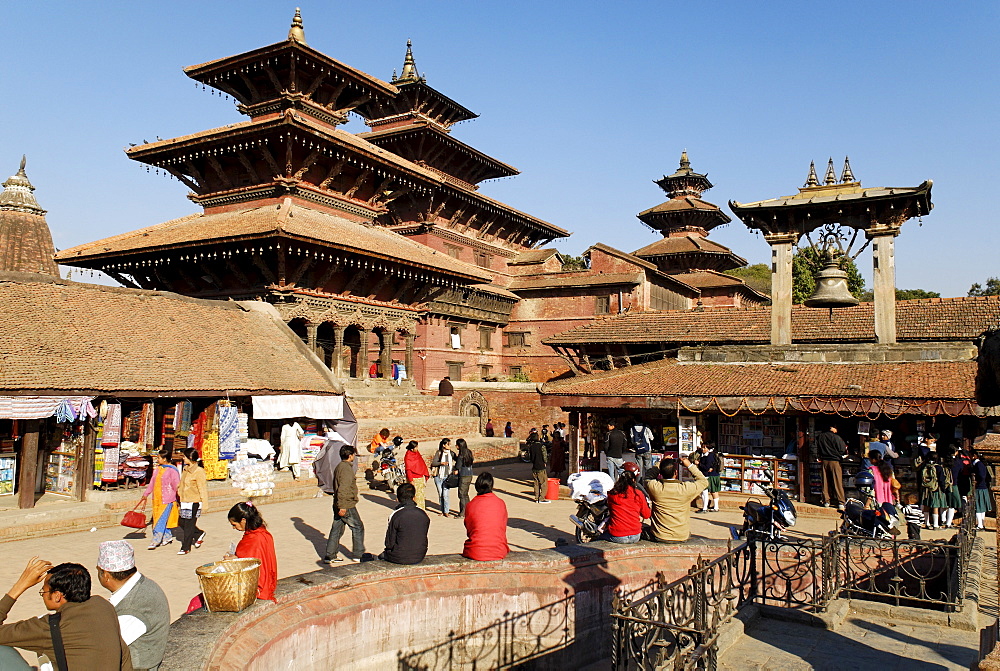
column 591, row 101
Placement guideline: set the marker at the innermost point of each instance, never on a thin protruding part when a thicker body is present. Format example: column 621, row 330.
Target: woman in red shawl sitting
column 257, row 543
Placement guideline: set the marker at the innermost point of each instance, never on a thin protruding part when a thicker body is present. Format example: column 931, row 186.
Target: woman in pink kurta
column 163, row 486
column 882, row 473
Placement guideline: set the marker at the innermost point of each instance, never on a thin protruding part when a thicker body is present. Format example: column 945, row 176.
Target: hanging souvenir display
column 228, row 426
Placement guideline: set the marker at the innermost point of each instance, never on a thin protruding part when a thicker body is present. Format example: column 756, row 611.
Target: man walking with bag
column 345, row 509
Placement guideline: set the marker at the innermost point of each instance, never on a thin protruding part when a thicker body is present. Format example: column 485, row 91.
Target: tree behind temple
column 807, row 263
column 992, row 288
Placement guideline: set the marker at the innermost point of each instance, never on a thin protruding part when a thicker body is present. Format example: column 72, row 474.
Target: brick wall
column 523, row 409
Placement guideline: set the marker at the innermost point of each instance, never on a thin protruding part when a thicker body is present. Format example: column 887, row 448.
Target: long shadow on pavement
column 311, row 534
column 956, row 654
column 539, row 530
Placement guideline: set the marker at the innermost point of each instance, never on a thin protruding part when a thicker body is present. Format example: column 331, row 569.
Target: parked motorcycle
column 391, row 472
column 591, row 519
column 860, row 519
column 766, row 521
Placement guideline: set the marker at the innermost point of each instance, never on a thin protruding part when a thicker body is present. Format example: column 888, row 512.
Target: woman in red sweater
column 628, row 507
column 256, row 543
column 486, row 523
column 416, row 472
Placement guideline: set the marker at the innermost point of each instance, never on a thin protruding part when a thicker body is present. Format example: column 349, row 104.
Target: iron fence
column 675, row 625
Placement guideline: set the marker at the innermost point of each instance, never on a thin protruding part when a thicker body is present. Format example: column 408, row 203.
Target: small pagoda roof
column 430, row 139
column 416, row 99
column 692, row 246
column 712, row 279
column 267, row 222
column 684, row 181
column 682, row 212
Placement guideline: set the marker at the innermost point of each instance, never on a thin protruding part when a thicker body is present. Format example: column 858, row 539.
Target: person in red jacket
column 628, row 507
column 486, row 523
column 416, row 473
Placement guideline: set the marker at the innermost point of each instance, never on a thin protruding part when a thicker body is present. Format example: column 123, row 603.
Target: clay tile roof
column 952, row 380
column 494, row 289
column 533, row 256
column 259, row 222
column 930, row 319
column 683, row 244
column 708, row 278
column 685, row 204
column 67, row 337
column 578, row 279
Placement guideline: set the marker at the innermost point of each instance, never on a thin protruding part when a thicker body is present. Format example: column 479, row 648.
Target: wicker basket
column 232, row 589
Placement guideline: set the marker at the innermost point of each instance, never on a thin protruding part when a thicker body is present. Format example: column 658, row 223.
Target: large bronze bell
column 831, row 286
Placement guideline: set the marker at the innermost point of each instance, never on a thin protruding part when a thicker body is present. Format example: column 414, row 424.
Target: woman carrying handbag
column 193, row 494
column 163, row 487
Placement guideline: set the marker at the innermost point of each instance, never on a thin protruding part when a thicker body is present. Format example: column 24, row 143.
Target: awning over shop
column 40, row 407
column 846, row 389
column 314, row 407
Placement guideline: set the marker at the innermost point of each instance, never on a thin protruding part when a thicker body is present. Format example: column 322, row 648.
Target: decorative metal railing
column 676, row 625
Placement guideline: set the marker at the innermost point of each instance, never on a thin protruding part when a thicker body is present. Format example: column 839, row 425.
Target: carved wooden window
column 602, row 305
column 453, row 251
column 516, row 339
column 454, row 370
column 485, row 338
column 484, row 371
column 515, row 371
column 483, row 259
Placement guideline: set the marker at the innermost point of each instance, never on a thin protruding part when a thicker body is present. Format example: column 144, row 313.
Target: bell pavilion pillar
column 781, row 287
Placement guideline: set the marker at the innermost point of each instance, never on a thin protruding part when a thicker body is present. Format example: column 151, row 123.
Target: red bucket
column 552, row 494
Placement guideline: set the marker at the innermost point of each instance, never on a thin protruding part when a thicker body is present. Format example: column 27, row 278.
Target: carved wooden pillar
column 574, row 442
column 29, row 464
column 408, row 360
column 311, row 330
column 387, row 339
column 363, row 353
column 338, row 347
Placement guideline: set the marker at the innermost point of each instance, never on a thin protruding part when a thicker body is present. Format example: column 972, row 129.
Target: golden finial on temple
column 24, row 162
column 812, row 179
column 296, row 33
column 847, row 175
column 831, row 174
column 685, row 163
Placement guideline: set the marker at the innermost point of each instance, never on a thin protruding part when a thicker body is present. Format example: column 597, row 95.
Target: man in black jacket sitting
column 406, row 537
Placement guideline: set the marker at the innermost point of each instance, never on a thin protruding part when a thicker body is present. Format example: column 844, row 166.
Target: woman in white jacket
column 442, row 466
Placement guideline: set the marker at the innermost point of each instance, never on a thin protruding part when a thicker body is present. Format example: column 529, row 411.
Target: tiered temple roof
column 25, row 240
column 289, row 176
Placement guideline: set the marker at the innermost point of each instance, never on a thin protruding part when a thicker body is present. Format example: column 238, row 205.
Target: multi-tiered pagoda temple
column 685, row 252
column 357, row 239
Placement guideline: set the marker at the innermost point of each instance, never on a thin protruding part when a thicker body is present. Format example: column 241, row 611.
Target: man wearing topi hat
column 143, row 613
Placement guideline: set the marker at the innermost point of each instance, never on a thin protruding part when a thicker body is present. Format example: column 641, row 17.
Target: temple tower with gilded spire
column 25, row 240
column 685, row 252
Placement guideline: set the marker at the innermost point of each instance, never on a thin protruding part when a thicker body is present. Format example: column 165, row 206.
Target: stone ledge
column 389, row 613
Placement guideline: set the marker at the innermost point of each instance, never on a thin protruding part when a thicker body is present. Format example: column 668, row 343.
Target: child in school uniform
column 914, row 515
